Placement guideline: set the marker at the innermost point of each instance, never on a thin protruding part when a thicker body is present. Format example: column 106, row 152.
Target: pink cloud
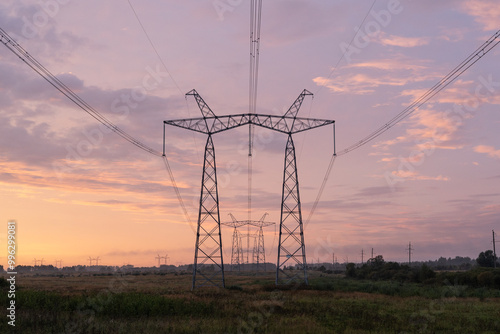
column 366, row 77
column 404, row 42
column 391, row 64
column 486, row 12
column 414, row 176
column 490, row 150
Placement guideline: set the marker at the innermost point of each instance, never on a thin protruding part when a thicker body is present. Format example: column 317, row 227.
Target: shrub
column 486, row 279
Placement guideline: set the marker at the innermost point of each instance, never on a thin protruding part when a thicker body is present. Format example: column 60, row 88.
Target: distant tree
column 425, row 273
column 377, row 261
column 486, row 259
column 322, row 268
column 350, row 270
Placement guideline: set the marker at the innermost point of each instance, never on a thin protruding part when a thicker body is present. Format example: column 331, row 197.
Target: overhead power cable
column 177, row 193
column 34, row 64
column 255, row 24
column 29, row 60
column 350, row 43
column 165, row 160
column 153, row 46
column 479, row 53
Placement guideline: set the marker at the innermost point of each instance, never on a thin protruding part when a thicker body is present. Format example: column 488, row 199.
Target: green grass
column 331, row 304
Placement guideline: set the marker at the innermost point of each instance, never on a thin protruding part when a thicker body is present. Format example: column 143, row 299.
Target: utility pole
column 362, row 256
column 372, row 252
column 409, row 253
column 90, row 261
column 494, row 250
column 333, row 260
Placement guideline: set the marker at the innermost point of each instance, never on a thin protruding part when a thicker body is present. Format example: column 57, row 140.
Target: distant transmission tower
column 158, row 257
column 96, row 260
column 236, row 251
column 237, row 258
column 258, row 252
column 59, row 264
column 409, row 249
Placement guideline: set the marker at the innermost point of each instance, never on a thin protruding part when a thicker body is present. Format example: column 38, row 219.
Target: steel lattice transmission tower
column 258, row 253
column 237, row 245
column 208, row 247
column 236, row 250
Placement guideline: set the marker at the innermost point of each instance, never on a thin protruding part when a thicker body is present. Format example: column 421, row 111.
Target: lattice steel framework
column 236, row 251
column 292, row 250
column 208, row 239
column 208, row 260
column 258, row 252
column 237, row 245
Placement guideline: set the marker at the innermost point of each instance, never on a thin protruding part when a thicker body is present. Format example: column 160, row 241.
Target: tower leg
column 291, row 249
column 208, row 262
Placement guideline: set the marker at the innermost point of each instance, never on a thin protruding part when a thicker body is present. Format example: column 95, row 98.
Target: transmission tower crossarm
column 295, row 107
column 204, row 108
column 216, row 124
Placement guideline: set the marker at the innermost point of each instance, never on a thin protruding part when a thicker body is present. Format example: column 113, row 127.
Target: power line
column 34, row 64
column 177, row 192
column 153, row 46
column 165, row 160
column 29, row 60
column 474, row 57
column 353, row 37
column 321, row 189
column 255, row 25
column 480, row 52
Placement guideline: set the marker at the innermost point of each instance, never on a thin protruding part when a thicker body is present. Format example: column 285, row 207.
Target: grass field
column 250, row 304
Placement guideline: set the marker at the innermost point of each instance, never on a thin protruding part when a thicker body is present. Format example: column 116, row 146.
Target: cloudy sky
column 77, row 190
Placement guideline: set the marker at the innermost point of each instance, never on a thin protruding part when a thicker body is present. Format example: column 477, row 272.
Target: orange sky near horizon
column 77, row 191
